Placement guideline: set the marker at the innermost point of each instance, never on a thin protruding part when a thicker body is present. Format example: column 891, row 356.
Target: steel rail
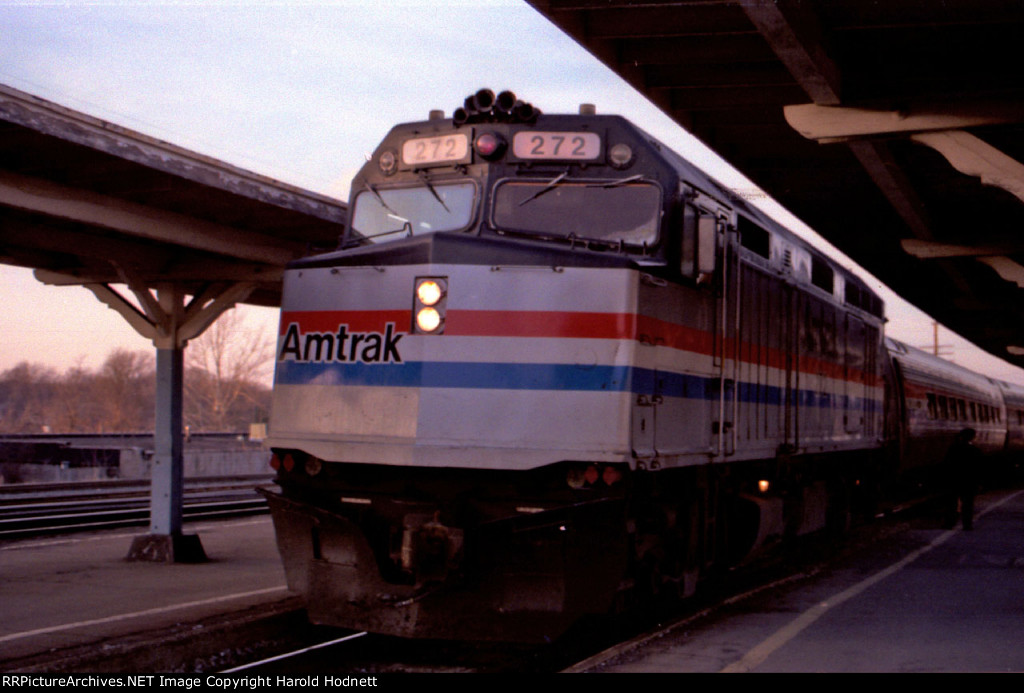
column 37, row 509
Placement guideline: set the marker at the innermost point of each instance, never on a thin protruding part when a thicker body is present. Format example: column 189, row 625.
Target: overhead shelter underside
column 894, row 129
column 85, row 202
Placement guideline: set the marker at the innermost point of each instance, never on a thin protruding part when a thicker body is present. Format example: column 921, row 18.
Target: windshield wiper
column 426, row 181
column 552, row 184
column 376, row 193
column 616, row 183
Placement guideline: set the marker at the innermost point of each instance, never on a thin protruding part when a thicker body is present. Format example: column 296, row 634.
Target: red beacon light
column 490, row 145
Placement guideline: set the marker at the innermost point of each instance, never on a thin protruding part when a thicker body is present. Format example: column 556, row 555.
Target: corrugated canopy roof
column 893, row 128
column 86, row 201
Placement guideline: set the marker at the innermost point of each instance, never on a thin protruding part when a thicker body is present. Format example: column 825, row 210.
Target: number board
column 558, row 146
column 435, row 151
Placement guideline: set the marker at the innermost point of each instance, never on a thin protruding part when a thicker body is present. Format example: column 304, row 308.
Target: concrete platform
column 920, row 599
column 79, row 590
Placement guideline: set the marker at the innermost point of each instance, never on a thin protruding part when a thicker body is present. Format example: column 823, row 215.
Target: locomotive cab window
column 382, row 213
column 698, row 243
column 610, row 211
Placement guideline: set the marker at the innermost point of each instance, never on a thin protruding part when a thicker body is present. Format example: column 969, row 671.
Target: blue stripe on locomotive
column 545, row 376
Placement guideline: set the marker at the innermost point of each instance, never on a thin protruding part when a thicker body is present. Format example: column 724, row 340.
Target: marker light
column 611, row 476
column 313, row 466
column 388, row 162
column 429, row 292
column 620, row 155
column 574, row 477
column 428, row 319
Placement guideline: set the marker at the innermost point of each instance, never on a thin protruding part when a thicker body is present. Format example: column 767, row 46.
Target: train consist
column 556, row 369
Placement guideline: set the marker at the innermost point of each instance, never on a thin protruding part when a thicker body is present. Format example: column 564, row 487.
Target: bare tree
column 125, row 387
column 77, row 409
column 25, row 395
column 226, row 387
column 225, row 367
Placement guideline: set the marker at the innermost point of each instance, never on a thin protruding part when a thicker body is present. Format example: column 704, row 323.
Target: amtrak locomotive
column 554, row 368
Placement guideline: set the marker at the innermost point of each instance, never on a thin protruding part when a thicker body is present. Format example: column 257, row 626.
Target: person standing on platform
column 962, row 468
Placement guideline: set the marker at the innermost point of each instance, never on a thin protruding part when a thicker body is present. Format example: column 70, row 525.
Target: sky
column 302, row 91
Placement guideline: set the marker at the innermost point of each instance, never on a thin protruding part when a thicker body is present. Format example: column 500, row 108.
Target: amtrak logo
column 341, row 346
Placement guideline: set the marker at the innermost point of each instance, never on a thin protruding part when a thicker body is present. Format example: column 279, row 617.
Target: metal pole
column 168, row 460
column 166, row 542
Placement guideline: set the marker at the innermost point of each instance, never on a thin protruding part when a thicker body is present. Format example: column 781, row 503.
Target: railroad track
column 38, row 509
column 278, row 638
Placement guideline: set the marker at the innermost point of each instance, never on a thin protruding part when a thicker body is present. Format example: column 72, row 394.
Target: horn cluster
column 485, row 107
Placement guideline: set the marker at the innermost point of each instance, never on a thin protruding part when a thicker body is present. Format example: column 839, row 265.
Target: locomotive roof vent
column 485, row 107
column 588, row 109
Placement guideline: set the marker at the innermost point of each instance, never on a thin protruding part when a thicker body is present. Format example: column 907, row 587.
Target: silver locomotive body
column 556, row 368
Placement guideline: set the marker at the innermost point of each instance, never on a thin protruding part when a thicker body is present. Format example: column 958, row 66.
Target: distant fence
column 40, row 458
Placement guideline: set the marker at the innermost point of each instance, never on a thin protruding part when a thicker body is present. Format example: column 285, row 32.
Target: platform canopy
column 86, row 202
column 893, row 128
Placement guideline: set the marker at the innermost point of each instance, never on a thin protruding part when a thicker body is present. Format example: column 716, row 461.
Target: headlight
column 428, row 319
column 429, row 292
column 429, row 305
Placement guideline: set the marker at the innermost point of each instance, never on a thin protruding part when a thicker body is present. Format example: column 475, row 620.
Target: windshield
column 616, row 211
column 413, row 211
